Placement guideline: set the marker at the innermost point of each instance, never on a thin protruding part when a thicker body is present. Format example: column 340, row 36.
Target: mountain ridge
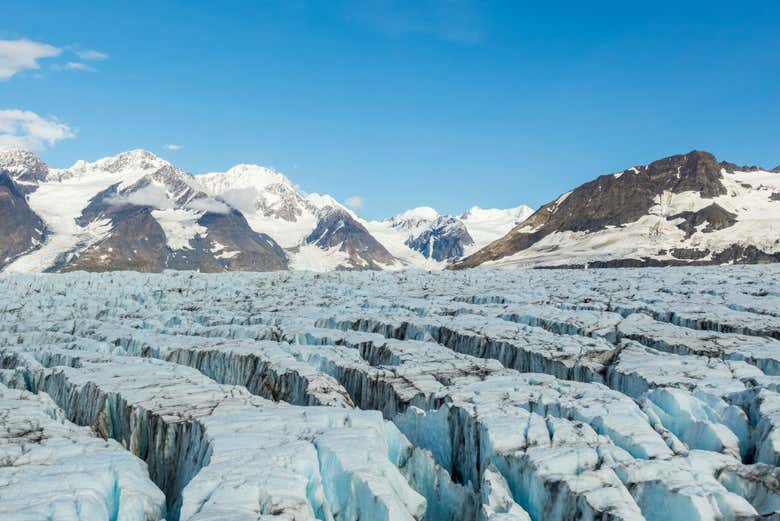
column 93, row 209
column 136, row 210
column 683, row 209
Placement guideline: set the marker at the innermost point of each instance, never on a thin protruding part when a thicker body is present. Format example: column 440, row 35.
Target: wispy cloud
column 456, row 21
column 150, row 195
column 355, row 202
column 19, row 55
column 78, row 66
column 26, row 129
column 92, row 55
column 172, row 147
column 209, row 205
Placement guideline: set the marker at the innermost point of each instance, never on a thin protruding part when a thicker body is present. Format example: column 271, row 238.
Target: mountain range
column 136, row 211
column 683, row 209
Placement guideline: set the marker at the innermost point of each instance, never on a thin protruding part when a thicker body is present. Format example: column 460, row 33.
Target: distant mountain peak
column 421, row 212
column 256, row 176
column 23, row 165
column 135, row 210
column 132, row 162
column 479, row 213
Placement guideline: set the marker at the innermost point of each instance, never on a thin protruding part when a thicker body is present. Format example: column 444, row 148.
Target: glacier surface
column 476, row 395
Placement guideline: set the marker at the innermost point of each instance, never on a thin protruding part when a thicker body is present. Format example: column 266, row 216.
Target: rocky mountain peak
column 244, row 176
column 444, row 240
column 651, row 211
column 697, row 171
column 140, row 159
column 130, row 162
column 23, row 165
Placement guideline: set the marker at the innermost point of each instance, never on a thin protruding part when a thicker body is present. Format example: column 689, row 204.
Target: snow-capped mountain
column 488, row 224
column 24, row 168
column 135, row 211
column 319, row 233
column 424, row 238
column 684, row 209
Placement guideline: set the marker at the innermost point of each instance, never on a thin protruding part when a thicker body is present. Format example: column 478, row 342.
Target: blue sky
column 440, row 103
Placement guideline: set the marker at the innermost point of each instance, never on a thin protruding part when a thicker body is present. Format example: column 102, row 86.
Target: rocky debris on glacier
column 615, row 394
column 55, row 470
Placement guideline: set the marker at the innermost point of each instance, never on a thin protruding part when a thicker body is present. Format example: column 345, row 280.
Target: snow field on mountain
column 751, row 197
column 105, row 202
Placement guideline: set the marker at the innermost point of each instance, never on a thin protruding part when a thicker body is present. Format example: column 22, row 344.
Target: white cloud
column 92, row 55
column 25, row 129
column 150, row 195
column 243, row 199
column 209, row 205
column 172, row 147
column 355, row 202
column 18, row 55
column 78, row 66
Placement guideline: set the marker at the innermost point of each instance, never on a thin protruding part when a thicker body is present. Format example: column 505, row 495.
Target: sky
column 394, row 104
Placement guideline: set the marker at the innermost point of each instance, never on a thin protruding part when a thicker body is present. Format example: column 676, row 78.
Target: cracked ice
column 459, row 396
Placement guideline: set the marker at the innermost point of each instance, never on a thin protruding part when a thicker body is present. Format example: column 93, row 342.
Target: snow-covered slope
column 319, row 233
column 682, row 209
column 268, row 200
column 423, row 238
column 137, row 211
column 485, row 225
column 64, row 193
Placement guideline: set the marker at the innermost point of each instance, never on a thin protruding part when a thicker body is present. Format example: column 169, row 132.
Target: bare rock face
column 136, row 242
column 617, row 201
column 216, row 237
column 712, row 217
column 229, row 245
column 23, row 166
column 337, row 228
column 733, row 167
column 21, row 230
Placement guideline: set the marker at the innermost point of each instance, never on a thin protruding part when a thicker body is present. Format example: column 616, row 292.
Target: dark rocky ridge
column 21, row 230
column 734, row 254
column 614, row 200
column 337, row 228
column 714, row 215
column 242, row 248
column 137, row 241
column 732, row 167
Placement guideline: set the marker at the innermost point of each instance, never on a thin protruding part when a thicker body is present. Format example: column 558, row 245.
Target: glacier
column 495, row 395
